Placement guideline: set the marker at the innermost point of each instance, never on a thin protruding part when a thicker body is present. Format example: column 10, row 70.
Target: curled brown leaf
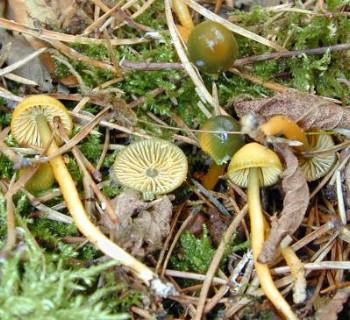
column 308, row 110
column 295, row 204
column 143, row 225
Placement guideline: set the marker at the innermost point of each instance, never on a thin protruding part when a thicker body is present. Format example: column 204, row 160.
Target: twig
column 216, row 261
column 193, row 276
column 154, row 66
column 287, row 54
column 44, row 34
column 212, row 199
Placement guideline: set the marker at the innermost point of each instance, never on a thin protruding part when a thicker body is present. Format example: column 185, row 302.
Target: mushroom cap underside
column 317, row 166
column 24, row 126
column 151, row 166
column 254, row 155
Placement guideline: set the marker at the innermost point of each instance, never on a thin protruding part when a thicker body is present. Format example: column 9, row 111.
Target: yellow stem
column 76, row 209
column 282, row 125
column 257, row 239
column 183, row 14
column 210, row 180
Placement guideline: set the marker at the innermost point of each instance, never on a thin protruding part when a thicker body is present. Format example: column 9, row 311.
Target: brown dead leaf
column 143, row 225
column 19, row 49
column 295, row 204
column 310, row 111
column 334, row 306
column 39, row 13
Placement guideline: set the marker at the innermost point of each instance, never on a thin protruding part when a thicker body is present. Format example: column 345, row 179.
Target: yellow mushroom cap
column 254, row 155
column 317, row 166
column 151, row 166
column 24, row 126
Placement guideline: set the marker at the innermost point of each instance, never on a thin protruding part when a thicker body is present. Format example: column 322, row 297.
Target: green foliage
column 313, row 73
column 6, row 167
column 5, row 117
column 41, row 289
column 92, row 147
column 111, row 191
column 196, row 254
column 74, row 170
column 92, row 76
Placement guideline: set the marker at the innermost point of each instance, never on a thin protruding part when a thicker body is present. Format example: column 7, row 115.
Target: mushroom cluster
column 314, row 165
column 32, row 125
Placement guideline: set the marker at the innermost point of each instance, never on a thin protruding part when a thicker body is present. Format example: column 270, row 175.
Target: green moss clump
column 196, row 254
column 6, row 167
column 320, row 74
column 92, row 147
column 74, row 169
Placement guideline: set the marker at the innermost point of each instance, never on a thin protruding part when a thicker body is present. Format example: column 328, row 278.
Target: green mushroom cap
column 211, row 47
column 220, row 145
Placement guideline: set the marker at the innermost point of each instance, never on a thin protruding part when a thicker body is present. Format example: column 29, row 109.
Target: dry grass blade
column 44, row 34
column 233, row 27
column 201, row 89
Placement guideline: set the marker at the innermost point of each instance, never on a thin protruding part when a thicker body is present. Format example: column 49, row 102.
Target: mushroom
column 41, row 180
column 31, row 125
column 183, row 14
column 211, row 47
column 314, row 165
column 152, row 167
column 255, row 166
column 217, row 139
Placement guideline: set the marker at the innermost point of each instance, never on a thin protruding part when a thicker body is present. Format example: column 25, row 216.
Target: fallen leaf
column 310, row 111
column 33, row 70
column 37, row 13
column 334, row 306
column 143, row 225
column 295, row 204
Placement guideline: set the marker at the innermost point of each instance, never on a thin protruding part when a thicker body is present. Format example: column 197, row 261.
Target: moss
column 5, row 117
column 6, row 167
column 196, row 254
column 91, row 147
column 73, row 169
column 315, row 74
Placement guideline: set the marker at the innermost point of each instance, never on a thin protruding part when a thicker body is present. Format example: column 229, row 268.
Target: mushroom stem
column 86, row 227
column 257, row 239
column 278, row 125
column 183, row 14
column 210, row 180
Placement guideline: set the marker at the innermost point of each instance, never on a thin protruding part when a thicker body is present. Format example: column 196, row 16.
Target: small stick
column 216, row 261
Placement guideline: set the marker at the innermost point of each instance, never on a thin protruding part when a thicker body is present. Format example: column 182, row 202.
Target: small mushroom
column 314, row 166
column 217, row 140
column 42, row 180
column 152, row 167
column 255, row 166
column 31, row 125
column 211, row 47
